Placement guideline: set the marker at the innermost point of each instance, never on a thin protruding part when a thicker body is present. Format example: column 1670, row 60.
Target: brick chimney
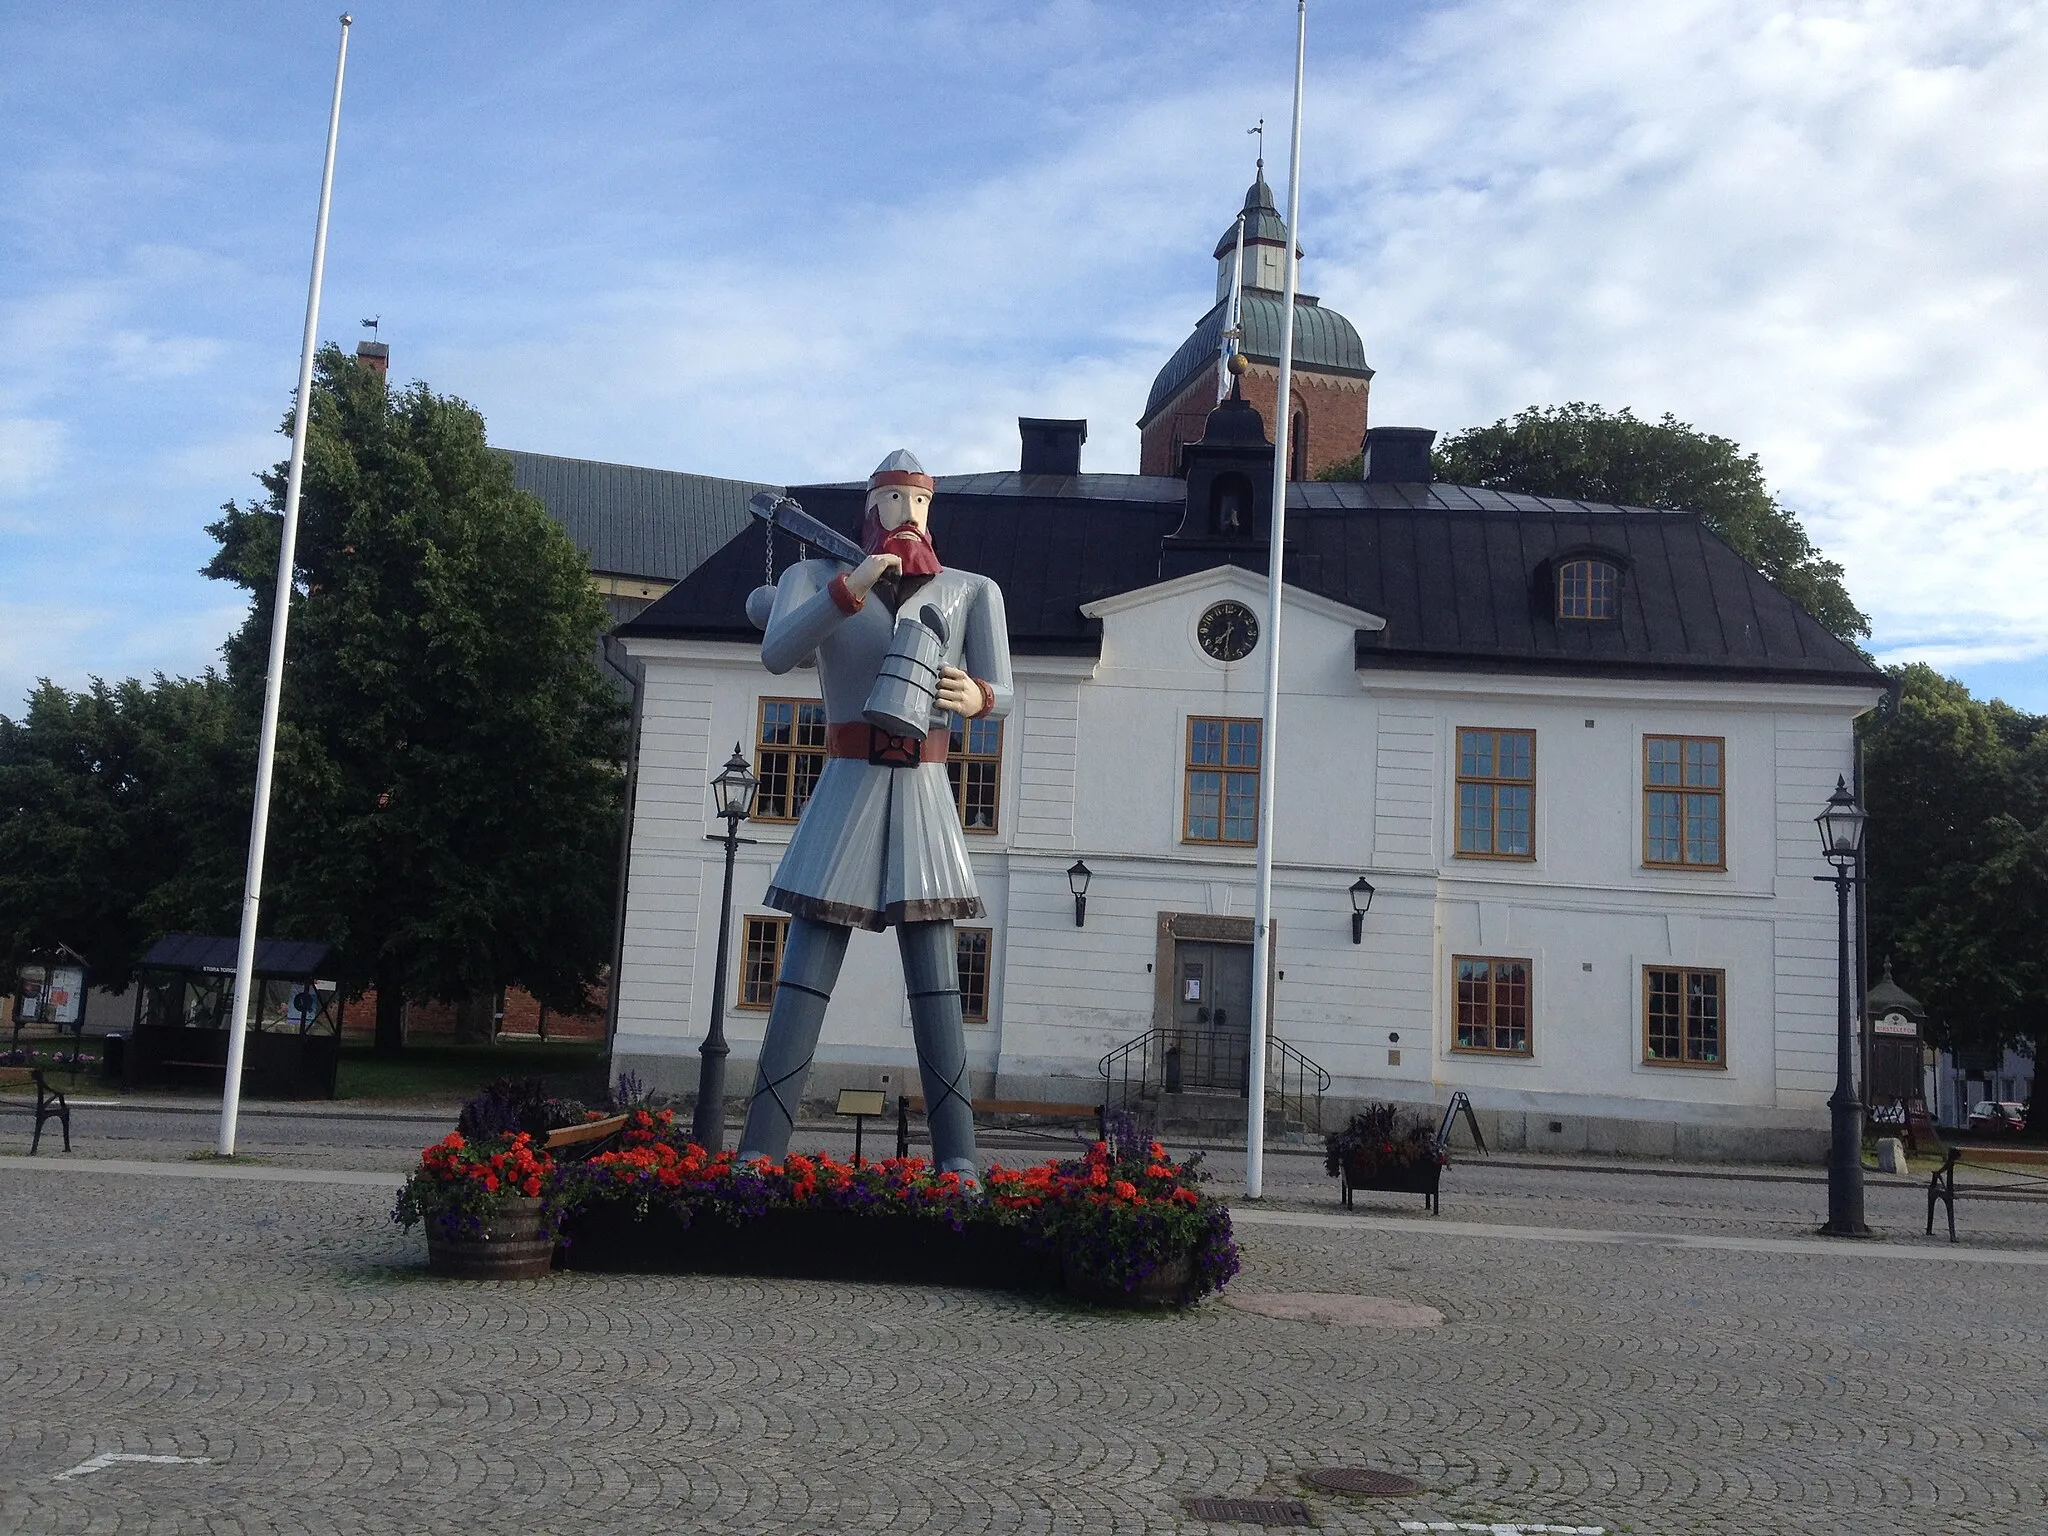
column 375, row 356
column 1051, row 447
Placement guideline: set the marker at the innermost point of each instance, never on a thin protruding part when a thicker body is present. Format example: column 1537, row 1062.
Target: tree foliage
column 1590, row 454
column 449, row 774
column 1957, row 790
column 123, row 810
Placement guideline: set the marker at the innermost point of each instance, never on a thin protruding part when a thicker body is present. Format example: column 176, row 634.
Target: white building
column 1576, row 750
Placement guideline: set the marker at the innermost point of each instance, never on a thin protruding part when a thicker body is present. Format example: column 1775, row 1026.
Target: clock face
column 1228, row 631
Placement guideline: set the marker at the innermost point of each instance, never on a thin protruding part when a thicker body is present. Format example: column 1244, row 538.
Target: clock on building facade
column 1228, row 630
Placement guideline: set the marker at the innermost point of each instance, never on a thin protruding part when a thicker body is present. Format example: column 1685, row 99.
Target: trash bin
column 114, row 1057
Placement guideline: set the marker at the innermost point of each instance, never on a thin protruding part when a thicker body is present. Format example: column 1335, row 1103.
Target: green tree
column 1590, row 454
column 118, row 818
column 1957, row 790
column 449, row 773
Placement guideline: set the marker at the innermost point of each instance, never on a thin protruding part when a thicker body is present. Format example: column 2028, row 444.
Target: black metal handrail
column 1172, row 1061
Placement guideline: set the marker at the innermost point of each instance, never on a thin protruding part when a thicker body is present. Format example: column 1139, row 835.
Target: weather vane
column 370, row 325
column 1260, row 130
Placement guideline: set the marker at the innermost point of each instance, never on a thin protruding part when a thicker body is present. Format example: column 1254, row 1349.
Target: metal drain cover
column 1250, row 1511
column 1359, row 1480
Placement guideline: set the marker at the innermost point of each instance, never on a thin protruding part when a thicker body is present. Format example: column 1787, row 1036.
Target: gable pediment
column 1220, row 581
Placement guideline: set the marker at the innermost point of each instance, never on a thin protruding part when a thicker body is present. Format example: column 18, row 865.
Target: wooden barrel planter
column 1409, row 1179
column 518, row 1244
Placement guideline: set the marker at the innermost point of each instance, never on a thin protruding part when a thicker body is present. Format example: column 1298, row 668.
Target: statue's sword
column 784, row 513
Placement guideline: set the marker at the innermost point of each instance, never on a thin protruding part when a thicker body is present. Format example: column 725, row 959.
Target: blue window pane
column 1515, row 750
column 1703, row 829
column 1703, row 764
column 1661, row 829
column 1205, row 742
column 1475, row 818
column 1513, row 835
column 1243, row 749
column 1240, row 808
column 1475, row 754
column 1205, row 796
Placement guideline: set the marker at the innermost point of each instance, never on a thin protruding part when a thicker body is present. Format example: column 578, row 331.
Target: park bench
column 577, row 1142
column 1941, row 1186
column 50, row 1105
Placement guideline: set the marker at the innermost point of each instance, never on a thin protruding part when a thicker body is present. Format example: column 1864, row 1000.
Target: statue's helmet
column 901, row 468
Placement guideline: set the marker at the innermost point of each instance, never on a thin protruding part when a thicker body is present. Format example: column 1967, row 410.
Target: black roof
column 630, row 521
column 277, row 959
column 1461, row 575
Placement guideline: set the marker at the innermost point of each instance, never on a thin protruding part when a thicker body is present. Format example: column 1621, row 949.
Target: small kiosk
column 184, row 989
column 1897, row 1058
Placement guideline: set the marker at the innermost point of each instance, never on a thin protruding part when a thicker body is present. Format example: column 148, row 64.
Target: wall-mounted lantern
column 1078, row 877
column 1361, row 903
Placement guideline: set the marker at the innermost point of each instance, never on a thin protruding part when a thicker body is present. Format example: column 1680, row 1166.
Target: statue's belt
column 885, row 749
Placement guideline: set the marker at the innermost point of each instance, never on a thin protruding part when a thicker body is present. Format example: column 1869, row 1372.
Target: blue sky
column 776, row 240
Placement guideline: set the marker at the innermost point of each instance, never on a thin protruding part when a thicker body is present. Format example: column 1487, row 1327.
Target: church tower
column 1331, row 379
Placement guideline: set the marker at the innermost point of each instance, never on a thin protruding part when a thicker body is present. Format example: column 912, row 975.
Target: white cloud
column 1811, row 230
column 31, row 449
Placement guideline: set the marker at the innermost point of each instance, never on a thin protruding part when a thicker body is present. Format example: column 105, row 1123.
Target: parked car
column 1997, row 1117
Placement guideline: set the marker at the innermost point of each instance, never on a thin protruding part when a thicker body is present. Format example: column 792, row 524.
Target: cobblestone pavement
column 287, row 1333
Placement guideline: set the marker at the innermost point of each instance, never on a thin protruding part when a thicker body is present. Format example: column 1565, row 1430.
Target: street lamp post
column 733, row 791
column 1841, row 840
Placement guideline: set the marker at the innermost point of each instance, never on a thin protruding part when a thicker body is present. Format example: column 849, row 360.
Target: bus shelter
column 185, row 987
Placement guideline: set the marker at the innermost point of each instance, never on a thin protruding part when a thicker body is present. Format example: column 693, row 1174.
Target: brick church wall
column 425, row 1022
column 1334, row 405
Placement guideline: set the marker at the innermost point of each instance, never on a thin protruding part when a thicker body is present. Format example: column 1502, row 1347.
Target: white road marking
column 1500, row 1528
column 106, row 1459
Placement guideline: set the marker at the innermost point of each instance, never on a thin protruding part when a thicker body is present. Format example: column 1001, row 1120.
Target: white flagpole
column 273, row 679
column 1269, row 756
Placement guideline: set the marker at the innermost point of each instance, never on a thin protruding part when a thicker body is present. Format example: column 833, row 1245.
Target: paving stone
column 288, row 1333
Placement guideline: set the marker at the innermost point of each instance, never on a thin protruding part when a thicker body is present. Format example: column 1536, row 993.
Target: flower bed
column 1122, row 1224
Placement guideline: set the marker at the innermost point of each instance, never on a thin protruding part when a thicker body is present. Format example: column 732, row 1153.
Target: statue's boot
column 931, row 973
column 810, row 965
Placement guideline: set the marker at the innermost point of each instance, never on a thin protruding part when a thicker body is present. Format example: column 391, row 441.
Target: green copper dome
column 1323, row 340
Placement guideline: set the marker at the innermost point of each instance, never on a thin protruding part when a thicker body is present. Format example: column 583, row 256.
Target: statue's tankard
column 908, row 682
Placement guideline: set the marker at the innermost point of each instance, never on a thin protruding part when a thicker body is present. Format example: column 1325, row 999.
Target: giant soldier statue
column 879, row 842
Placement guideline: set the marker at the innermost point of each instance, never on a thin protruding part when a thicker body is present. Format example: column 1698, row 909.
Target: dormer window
column 1588, row 589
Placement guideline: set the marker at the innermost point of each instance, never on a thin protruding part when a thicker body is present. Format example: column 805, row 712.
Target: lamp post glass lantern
column 1841, row 824
column 1361, row 903
column 1078, row 876
column 732, row 792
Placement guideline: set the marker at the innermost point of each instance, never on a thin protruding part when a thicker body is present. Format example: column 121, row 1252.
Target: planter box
column 1411, row 1180
column 806, row 1245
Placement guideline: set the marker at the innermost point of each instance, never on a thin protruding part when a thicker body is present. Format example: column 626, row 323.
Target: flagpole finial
column 347, row 20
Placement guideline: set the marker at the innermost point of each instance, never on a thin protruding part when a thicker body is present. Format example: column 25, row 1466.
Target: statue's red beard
column 906, row 543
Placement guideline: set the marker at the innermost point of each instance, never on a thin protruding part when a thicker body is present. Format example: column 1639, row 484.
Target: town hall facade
column 1574, row 751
